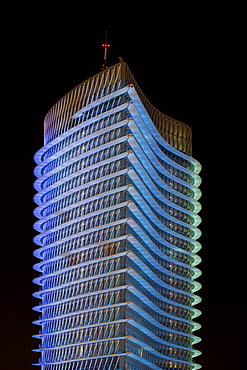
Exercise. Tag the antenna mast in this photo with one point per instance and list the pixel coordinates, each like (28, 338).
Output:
(106, 46)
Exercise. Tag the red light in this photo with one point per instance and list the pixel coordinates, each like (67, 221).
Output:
(106, 45)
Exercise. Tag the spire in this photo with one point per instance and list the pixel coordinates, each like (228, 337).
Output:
(106, 46)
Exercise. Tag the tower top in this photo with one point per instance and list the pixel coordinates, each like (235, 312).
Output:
(105, 46)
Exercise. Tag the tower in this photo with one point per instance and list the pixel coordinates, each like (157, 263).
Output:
(118, 215)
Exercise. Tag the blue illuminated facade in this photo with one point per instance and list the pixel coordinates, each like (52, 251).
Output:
(117, 195)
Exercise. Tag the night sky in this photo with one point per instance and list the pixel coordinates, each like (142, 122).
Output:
(187, 57)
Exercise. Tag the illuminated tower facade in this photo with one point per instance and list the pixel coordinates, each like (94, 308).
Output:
(118, 215)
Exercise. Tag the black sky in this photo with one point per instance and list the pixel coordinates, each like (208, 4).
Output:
(188, 59)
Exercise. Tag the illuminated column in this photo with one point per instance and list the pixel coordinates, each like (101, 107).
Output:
(117, 208)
